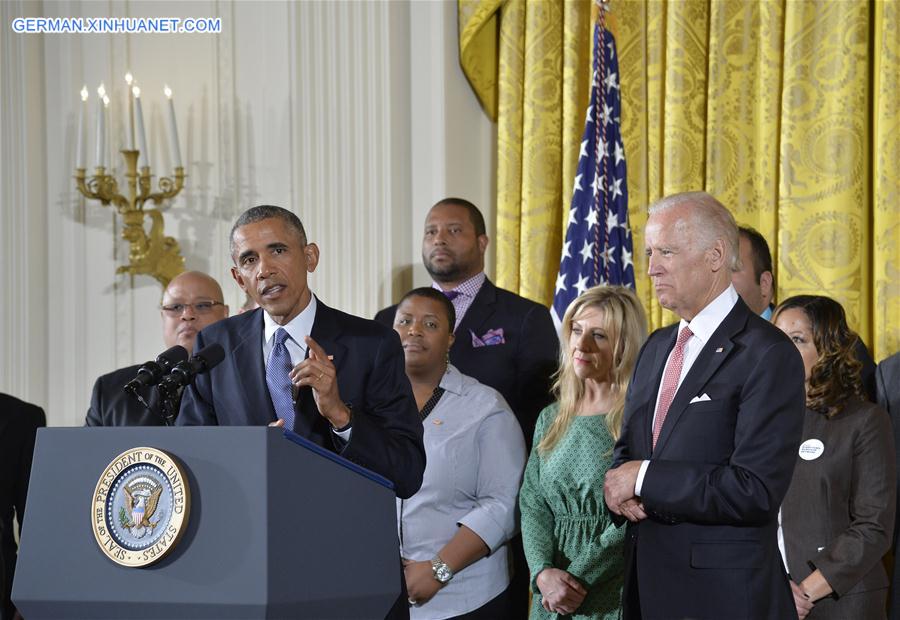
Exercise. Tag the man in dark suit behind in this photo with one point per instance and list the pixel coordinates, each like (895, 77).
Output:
(503, 340)
(887, 389)
(191, 301)
(19, 422)
(711, 430)
(755, 283)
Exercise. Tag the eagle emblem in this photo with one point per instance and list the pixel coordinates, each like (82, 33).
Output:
(141, 501)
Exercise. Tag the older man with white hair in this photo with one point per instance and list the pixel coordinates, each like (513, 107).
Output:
(712, 426)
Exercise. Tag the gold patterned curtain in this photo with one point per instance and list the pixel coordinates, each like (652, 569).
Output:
(787, 111)
(529, 64)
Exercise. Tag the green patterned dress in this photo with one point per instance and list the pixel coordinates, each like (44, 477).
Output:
(565, 523)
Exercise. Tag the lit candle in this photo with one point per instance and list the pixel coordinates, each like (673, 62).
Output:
(173, 130)
(79, 150)
(108, 157)
(129, 133)
(101, 127)
(139, 121)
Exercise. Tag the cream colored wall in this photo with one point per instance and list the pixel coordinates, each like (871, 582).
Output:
(353, 114)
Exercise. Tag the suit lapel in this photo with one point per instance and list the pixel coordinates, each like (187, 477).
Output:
(711, 357)
(478, 313)
(248, 360)
(326, 332)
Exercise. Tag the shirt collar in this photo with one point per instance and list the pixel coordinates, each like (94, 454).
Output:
(767, 313)
(468, 288)
(708, 320)
(452, 381)
(300, 326)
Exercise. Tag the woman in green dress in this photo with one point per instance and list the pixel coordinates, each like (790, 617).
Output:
(574, 551)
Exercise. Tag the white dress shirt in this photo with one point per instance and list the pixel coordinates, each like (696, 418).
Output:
(702, 328)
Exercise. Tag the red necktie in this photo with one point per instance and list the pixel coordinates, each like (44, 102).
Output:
(670, 381)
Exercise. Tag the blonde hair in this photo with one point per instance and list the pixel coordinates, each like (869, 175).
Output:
(708, 220)
(626, 328)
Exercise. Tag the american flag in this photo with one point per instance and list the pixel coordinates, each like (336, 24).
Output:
(598, 248)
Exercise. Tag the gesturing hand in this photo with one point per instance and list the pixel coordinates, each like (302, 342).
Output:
(318, 372)
(561, 593)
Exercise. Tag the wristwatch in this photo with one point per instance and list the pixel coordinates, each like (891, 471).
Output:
(440, 570)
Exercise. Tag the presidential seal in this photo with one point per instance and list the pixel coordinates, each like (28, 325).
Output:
(140, 507)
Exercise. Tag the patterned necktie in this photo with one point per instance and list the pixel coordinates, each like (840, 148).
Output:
(279, 381)
(670, 381)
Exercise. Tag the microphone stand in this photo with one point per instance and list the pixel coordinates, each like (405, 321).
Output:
(170, 401)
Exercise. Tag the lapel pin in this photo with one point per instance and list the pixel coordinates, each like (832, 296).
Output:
(719, 350)
(437, 422)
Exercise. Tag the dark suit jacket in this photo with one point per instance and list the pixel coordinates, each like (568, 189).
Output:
(519, 369)
(717, 476)
(887, 389)
(867, 372)
(111, 406)
(371, 375)
(19, 422)
(838, 514)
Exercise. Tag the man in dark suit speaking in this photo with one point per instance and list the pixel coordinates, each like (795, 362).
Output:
(333, 378)
(712, 425)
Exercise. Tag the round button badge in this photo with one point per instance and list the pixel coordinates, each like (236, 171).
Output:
(811, 449)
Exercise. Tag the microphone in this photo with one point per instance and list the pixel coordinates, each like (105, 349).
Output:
(184, 372)
(151, 372)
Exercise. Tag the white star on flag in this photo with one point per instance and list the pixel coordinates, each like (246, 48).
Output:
(617, 188)
(612, 220)
(560, 282)
(582, 284)
(611, 81)
(587, 252)
(620, 153)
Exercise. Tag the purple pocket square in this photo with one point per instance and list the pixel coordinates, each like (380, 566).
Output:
(491, 337)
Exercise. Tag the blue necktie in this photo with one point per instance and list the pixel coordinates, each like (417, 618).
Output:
(451, 295)
(279, 381)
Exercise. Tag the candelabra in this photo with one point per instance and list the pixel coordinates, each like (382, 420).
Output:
(154, 254)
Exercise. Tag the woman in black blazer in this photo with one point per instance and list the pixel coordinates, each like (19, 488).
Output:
(838, 515)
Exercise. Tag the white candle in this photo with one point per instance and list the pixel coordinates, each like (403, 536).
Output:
(139, 123)
(101, 127)
(109, 157)
(129, 131)
(82, 111)
(173, 131)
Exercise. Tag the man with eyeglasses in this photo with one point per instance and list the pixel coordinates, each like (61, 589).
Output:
(192, 301)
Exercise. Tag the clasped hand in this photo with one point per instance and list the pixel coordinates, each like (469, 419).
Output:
(618, 491)
(561, 593)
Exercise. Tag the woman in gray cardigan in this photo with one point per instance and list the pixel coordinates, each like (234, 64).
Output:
(838, 515)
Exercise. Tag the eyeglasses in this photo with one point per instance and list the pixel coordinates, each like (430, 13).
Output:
(201, 307)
